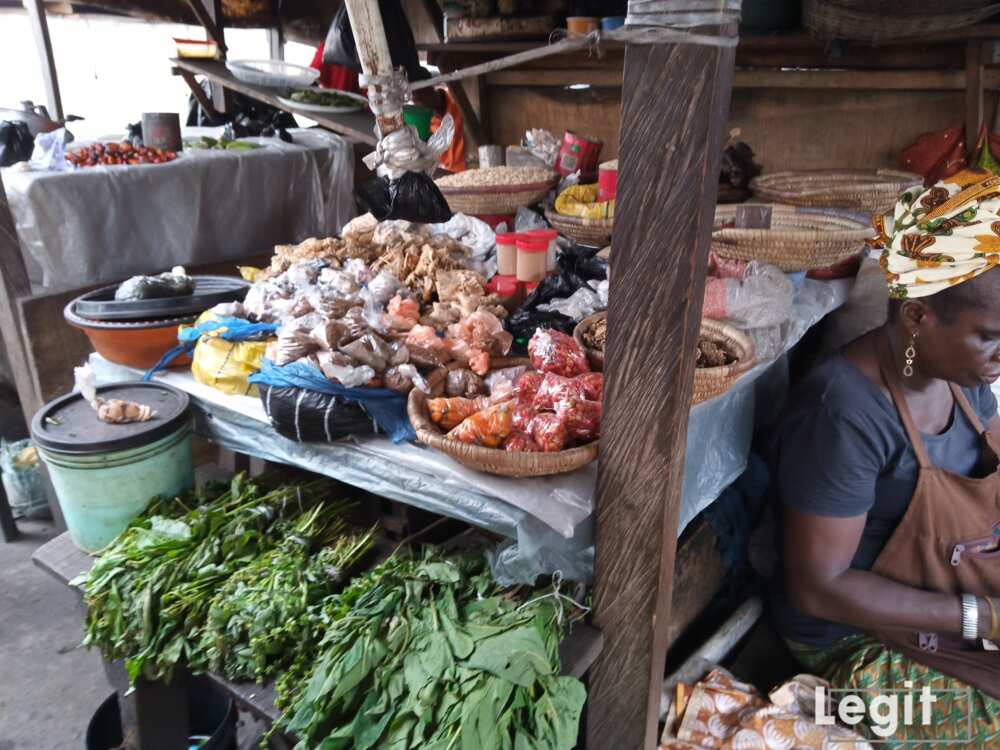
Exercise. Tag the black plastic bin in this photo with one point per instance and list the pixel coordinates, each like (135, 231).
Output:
(213, 714)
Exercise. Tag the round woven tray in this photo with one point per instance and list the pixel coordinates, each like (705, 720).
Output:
(857, 20)
(869, 191)
(591, 232)
(800, 239)
(496, 199)
(710, 382)
(490, 460)
(594, 356)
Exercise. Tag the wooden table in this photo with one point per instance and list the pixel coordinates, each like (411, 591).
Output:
(356, 126)
(64, 561)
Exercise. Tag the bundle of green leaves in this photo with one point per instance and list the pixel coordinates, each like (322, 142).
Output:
(270, 609)
(148, 594)
(428, 652)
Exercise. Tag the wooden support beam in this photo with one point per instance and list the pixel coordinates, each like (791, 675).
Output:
(276, 44)
(668, 188)
(974, 82)
(209, 14)
(40, 28)
(200, 96)
(8, 527)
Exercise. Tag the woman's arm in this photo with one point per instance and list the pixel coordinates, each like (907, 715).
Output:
(820, 582)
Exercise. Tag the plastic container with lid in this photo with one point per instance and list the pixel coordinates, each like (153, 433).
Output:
(531, 258)
(105, 474)
(507, 254)
(552, 246)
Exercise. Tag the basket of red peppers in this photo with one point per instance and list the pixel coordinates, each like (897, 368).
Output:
(532, 417)
(104, 154)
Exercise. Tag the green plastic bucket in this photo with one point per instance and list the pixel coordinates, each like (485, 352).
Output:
(105, 474)
(420, 118)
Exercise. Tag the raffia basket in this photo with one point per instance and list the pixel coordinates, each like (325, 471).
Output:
(496, 199)
(871, 192)
(800, 239)
(490, 460)
(710, 382)
(873, 22)
(591, 232)
(594, 356)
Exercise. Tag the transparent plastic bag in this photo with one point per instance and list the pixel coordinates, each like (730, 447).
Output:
(488, 428)
(22, 480)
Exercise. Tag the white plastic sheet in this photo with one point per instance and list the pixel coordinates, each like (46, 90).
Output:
(101, 224)
(548, 521)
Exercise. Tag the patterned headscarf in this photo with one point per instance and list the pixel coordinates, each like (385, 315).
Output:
(941, 236)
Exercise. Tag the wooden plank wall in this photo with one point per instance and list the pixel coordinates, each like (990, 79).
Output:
(787, 128)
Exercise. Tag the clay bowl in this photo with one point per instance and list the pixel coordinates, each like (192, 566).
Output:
(138, 344)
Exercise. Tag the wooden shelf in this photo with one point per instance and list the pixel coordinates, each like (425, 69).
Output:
(356, 126)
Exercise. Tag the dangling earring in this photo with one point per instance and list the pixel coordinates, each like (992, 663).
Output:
(910, 354)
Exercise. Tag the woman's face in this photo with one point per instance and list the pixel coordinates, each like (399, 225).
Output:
(964, 349)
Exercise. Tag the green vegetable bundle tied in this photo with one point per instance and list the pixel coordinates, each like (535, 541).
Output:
(428, 653)
(151, 593)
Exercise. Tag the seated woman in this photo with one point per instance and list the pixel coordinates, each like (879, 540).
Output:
(887, 474)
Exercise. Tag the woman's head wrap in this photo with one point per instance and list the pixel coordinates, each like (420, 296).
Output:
(941, 236)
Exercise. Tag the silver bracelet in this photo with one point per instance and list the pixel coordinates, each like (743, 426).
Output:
(970, 617)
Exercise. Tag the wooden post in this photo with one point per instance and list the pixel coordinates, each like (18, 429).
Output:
(973, 93)
(40, 28)
(675, 104)
(209, 15)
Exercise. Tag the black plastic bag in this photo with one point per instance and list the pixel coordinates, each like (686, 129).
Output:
(522, 323)
(340, 49)
(413, 197)
(247, 116)
(312, 417)
(16, 143)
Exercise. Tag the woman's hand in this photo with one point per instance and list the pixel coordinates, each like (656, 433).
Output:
(820, 582)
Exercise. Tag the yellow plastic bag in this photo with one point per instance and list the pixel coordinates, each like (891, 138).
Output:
(581, 201)
(226, 365)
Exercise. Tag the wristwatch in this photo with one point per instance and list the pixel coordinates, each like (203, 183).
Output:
(970, 617)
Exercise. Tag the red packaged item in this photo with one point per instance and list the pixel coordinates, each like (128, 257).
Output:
(526, 386)
(555, 389)
(582, 419)
(549, 432)
(554, 351)
(520, 442)
(488, 428)
(523, 414)
(593, 385)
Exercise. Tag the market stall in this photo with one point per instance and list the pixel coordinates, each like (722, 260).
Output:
(345, 327)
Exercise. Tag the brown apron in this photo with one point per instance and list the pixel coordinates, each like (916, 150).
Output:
(947, 541)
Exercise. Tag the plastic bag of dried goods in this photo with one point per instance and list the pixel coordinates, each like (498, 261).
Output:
(552, 351)
(403, 379)
(593, 385)
(523, 414)
(464, 382)
(549, 432)
(488, 428)
(448, 413)
(526, 386)
(556, 389)
(522, 442)
(582, 419)
(402, 314)
(371, 350)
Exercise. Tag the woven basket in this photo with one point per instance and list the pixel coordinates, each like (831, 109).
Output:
(800, 239)
(872, 192)
(491, 460)
(860, 21)
(496, 199)
(591, 232)
(710, 382)
(594, 356)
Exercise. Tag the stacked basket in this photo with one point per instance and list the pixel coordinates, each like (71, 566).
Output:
(590, 232)
(870, 192)
(873, 22)
(800, 239)
(496, 190)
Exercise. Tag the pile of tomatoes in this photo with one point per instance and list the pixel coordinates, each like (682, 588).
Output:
(118, 153)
